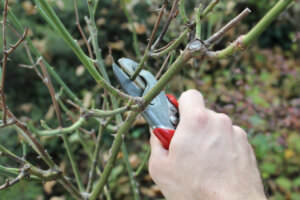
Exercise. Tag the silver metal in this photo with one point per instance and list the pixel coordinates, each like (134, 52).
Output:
(160, 113)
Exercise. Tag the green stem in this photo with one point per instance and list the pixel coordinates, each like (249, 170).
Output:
(73, 163)
(256, 31)
(182, 11)
(95, 157)
(141, 64)
(144, 162)
(104, 113)
(8, 171)
(198, 22)
(59, 131)
(11, 155)
(85, 145)
(133, 183)
(94, 36)
(209, 8)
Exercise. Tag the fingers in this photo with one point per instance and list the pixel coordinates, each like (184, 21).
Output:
(192, 109)
(190, 100)
(158, 157)
(156, 147)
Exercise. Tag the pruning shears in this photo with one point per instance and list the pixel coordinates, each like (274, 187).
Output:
(162, 113)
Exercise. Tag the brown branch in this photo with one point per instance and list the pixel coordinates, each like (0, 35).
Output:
(164, 65)
(48, 83)
(24, 173)
(161, 13)
(81, 31)
(218, 35)
(171, 16)
(13, 47)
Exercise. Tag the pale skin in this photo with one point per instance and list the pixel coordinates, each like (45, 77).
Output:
(208, 159)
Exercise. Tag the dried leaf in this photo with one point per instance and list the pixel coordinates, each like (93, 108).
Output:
(48, 186)
(80, 70)
(118, 45)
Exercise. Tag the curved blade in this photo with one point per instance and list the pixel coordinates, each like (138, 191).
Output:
(127, 85)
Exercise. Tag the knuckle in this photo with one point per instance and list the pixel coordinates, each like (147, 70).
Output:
(200, 115)
(189, 93)
(240, 132)
(225, 119)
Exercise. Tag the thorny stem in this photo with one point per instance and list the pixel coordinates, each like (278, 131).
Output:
(4, 62)
(87, 44)
(48, 83)
(94, 37)
(171, 16)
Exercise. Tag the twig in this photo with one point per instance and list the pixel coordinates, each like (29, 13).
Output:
(13, 47)
(198, 21)
(81, 30)
(47, 81)
(9, 183)
(172, 46)
(59, 131)
(218, 35)
(95, 157)
(163, 66)
(209, 8)
(146, 53)
(132, 181)
(11, 155)
(5, 57)
(182, 11)
(144, 162)
(171, 16)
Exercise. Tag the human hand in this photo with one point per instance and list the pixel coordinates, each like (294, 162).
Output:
(208, 158)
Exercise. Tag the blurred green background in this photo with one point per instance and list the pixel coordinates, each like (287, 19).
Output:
(258, 88)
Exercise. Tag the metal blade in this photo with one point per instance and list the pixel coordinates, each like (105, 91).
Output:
(127, 85)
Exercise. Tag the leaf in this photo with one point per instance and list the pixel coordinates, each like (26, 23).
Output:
(284, 183)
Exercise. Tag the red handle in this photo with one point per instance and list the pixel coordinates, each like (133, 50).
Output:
(165, 135)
